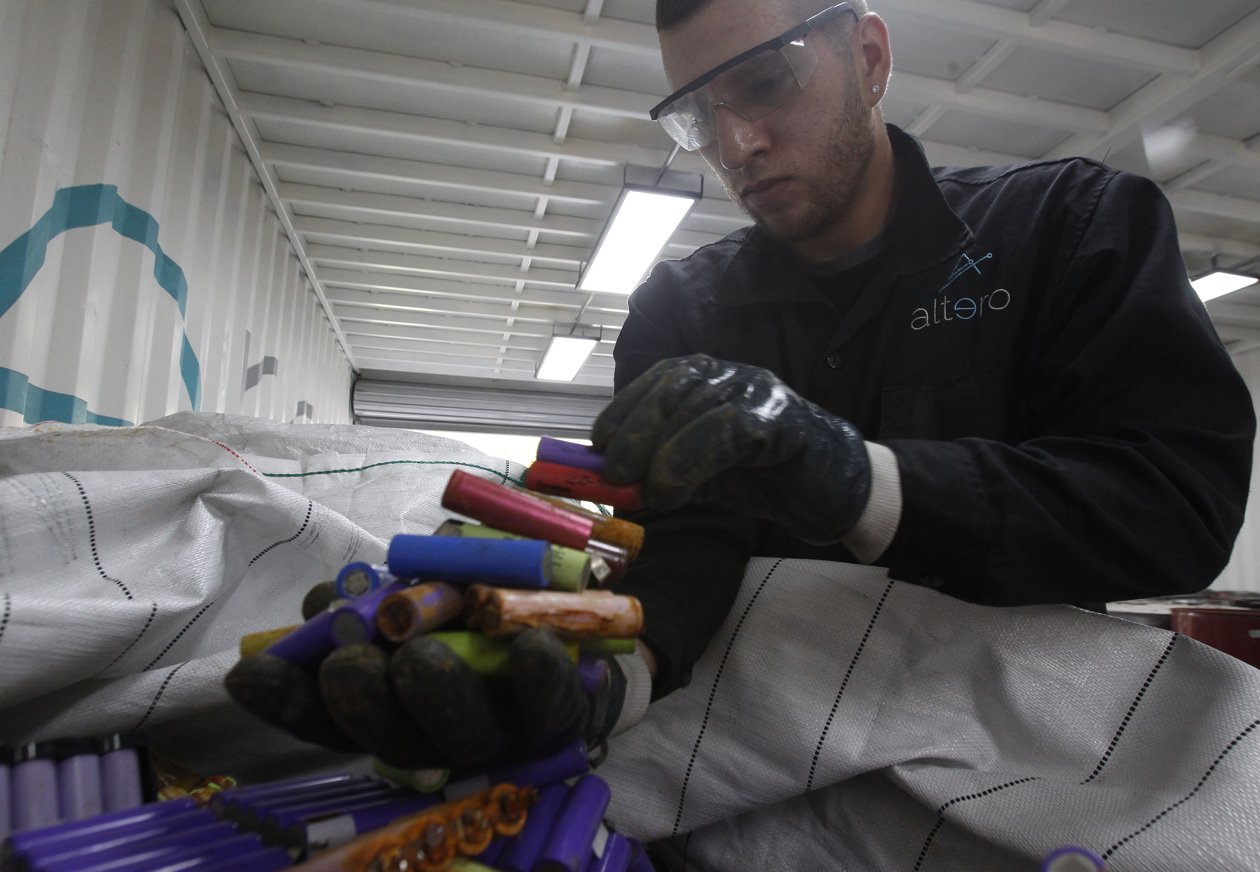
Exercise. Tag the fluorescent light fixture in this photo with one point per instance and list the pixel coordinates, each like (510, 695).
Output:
(1218, 284)
(565, 354)
(644, 217)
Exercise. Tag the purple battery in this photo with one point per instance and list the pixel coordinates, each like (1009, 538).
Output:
(120, 773)
(355, 622)
(143, 854)
(226, 802)
(357, 579)
(33, 783)
(616, 854)
(329, 831)
(101, 825)
(225, 853)
(308, 644)
(569, 762)
(266, 860)
(85, 849)
(522, 850)
(6, 804)
(251, 815)
(70, 844)
(494, 850)
(78, 779)
(570, 454)
(639, 859)
(569, 843)
(593, 672)
(276, 823)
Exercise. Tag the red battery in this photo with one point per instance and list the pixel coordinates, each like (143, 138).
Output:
(581, 484)
(515, 511)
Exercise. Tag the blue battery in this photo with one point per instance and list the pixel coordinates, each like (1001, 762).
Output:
(356, 579)
(501, 562)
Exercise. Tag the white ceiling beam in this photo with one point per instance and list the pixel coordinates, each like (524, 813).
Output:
(453, 214)
(380, 123)
(1058, 36)
(577, 68)
(467, 357)
(593, 8)
(1216, 204)
(524, 20)
(344, 298)
(383, 68)
(943, 154)
(986, 64)
(417, 309)
(474, 247)
(1233, 314)
(1192, 177)
(1233, 152)
(1045, 10)
(441, 176)
(925, 120)
(414, 264)
(1223, 59)
(402, 287)
(455, 337)
(1218, 245)
(193, 16)
(998, 104)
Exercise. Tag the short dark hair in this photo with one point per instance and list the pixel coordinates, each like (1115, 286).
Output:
(672, 12)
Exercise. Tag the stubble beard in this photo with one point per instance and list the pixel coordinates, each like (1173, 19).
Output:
(834, 185)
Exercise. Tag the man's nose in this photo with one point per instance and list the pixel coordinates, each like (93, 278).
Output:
(738, 139)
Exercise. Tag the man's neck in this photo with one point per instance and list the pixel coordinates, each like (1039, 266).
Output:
(868, 214)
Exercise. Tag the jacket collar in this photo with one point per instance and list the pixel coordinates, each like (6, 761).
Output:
(923, 232)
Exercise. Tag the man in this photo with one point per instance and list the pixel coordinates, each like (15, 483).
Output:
(996, 382)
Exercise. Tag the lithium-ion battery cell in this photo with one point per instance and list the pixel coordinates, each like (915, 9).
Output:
(568, 845)
(356, 579)
(570, 454)
(581, 484)
(570, 568)
(502, 562)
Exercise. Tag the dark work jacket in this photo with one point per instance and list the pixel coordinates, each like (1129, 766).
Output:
(1067, 424)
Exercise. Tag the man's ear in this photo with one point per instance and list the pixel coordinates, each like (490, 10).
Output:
(872, 57)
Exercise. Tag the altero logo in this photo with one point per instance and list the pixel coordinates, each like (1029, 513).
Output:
(947, 308)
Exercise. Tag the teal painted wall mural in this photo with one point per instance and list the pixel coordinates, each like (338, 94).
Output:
(84, 206)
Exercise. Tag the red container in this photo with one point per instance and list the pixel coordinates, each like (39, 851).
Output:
(1234, 631)
(581, 484)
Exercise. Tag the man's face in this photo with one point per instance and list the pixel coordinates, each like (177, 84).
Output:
(795, 170)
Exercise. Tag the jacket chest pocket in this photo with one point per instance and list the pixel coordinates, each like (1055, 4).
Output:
(977, 404)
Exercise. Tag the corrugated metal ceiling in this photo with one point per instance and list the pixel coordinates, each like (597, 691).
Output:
(445, 166)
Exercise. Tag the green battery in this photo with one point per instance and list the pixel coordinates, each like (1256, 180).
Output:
(570, 568)
(607, 647)
(484, 655)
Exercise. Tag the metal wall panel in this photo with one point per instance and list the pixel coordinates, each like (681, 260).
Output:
(1243, 571)
(142, 269)
(475, 410)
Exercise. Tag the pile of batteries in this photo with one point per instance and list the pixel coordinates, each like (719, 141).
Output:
(42, 783)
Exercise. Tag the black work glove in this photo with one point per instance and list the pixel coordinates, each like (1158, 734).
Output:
(728, 434)
(419, 706)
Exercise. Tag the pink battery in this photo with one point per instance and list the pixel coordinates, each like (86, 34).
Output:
(515, 511)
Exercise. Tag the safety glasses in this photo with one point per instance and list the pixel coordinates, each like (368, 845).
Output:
(752, 84)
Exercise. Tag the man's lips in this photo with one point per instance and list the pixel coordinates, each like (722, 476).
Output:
(764, 192)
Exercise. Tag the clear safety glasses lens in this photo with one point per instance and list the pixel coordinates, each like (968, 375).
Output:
(752, 90)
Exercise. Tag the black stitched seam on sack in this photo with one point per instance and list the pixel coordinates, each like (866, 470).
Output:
(1185, 798)
(1132, 710)
(171, 643)
(161, 690)
(809, 783)
(309, 507)
(8, 609)
(92, 536)
(686, 847)
(143, 630)
(695, 751)
(940, 813)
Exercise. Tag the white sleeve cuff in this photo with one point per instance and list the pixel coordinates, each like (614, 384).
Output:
(638, 691)
(877, 526)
